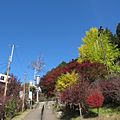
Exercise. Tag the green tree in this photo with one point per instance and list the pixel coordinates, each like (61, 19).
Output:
(115, 40)
(32, 89)
(10, 108)
(62, 64)
(97, 47)
(118, 33)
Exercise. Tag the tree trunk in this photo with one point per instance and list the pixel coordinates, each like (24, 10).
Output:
(98, 111)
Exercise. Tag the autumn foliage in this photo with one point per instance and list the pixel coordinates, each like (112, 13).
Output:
(66, 80)
(86, 70)
(48, 82)
(95, 99)
(12, 101)
(92, 71)
(86, 80)
(75, 93)
(111, 89)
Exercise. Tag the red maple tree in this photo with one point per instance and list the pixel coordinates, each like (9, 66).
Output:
(95, 99)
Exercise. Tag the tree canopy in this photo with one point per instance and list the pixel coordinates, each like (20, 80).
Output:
(98, 48)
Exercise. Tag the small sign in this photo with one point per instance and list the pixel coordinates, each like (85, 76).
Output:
(40, 89)
(21, 94)
(37, 79)
(30, 95)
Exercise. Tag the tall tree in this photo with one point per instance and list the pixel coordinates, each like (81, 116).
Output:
(118, 33)
(97, 47)
(115, 40)
(62, 64)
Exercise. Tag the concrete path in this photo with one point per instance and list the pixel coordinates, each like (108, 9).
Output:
(33, 115)
(48, 113)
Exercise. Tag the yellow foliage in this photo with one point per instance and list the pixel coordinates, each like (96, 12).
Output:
(66, 80)
(98, 48)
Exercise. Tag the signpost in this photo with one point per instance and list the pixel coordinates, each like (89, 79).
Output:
(30, 95)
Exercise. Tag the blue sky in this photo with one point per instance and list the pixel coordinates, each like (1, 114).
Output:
(52, 29)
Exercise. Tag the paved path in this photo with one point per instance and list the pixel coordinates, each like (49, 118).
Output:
(33, 115)
(48, 113)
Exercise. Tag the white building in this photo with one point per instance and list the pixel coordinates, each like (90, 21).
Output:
(3, 77)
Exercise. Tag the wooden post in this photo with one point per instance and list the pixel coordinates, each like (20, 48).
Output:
(80, 110)
(98, 113)
(6, 81)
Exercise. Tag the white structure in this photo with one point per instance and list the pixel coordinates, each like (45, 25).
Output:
(3, 77)
(21, 94)
(37, 88)
(31, 83)
(30, 95)
(37, 80)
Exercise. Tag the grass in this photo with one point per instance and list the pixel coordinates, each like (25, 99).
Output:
(21, 115)
(104, 114)
(105, 110)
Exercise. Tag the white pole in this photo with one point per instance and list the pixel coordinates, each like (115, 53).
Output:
(37, 95)
(37, 83)
(12, 53)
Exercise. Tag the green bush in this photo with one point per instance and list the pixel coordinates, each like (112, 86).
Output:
(10, 109)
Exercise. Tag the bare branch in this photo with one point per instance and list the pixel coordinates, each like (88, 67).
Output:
(38, 64)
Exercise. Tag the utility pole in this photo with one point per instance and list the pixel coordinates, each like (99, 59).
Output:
(8, 70)
(23, 100)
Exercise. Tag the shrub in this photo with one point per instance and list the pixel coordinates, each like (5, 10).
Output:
(48, 82)
(1, 107)
(111, 90)
(95, 99)
(12, 101)
(75, 94)
(10, 108)
(92, 71)
(66, 80)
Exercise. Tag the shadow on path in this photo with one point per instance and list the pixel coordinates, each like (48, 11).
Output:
(48, 113)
